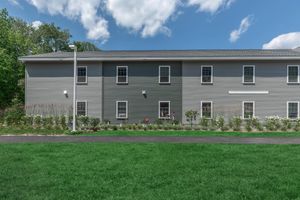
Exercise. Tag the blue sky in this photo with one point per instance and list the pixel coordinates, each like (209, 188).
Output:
(185, 24)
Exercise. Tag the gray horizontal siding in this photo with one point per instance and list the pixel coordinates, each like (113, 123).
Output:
(45, 83)
(142, 76)
(270, 76)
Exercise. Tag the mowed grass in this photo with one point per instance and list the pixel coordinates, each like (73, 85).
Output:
(116, 171)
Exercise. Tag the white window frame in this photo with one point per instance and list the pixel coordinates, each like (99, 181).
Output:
(287, 109)
(211, 111)
(169, 67)
(212, 74)
(86, 76)
(243, 109)
(117, 75)
(86, 106)
(287, 74)
(169, 102)
(117, 111)
(253, 82)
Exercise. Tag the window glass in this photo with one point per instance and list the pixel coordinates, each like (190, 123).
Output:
(206, 110)
(81, 75)
(81, 108)
(248, 110)
(248, 74)
(164, 109)
(122, 109)
(206, 74)
(122, 74)
(293, 74)
(164, 74)
(293, 110)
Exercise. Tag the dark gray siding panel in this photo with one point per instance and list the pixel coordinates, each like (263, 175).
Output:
(45, 83)
(142, 76)
(270, 76)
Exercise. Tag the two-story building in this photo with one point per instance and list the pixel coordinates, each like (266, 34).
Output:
(133, 86)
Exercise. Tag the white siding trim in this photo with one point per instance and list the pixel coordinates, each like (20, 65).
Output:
(212, 74)
(169, 67)
(117, 111)
(243, 81)
(169, 102)
(248, 92)
(243, 109)
(287, 108)
(211, 111)
(117, 75)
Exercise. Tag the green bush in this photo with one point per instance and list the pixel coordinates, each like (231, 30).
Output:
(204, 123)
(248, 125)
(94, 123)
(84, 121)
(236, 123)
(220, 122)
(38, 122)
(13, 115)
(272, 123)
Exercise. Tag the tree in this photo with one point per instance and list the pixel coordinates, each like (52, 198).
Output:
(86, 46)
(191, 116)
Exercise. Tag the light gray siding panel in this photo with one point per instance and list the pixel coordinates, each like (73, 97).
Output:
(45, 83)
(142, 76)
(270, 76)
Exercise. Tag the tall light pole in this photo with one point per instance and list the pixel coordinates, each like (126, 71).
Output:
(73, 47)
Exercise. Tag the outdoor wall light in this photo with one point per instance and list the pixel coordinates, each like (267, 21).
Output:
(66, 93)
(144, 93)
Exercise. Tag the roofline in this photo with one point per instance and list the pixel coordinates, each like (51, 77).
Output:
(26, 59)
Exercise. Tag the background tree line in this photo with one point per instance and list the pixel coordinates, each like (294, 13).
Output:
(18, 38)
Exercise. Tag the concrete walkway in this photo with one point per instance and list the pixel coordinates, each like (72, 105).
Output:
(152, 139)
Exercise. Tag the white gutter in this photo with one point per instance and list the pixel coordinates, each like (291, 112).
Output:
(160, 59)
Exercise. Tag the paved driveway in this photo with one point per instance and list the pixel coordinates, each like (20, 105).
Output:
(152, 139)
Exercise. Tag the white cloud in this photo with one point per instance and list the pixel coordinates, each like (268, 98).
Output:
(284, 41)
(210, 6)
(86, 12)
(146, 16)
(244, 26)
(36, 24)
(14, 2)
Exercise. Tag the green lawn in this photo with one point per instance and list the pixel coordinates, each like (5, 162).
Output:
(149, 171)
(14, 131)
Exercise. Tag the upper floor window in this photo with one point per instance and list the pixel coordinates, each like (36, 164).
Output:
(122, 109)
(81, 108)
(81, 74)
(122, 75)
(292, 74)
(164, 74)
(293, 109)
(248, 109)
(207, 74)
(206, 109)
(248, 74)
(164, 109)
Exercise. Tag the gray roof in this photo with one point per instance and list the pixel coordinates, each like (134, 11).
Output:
(168, 55)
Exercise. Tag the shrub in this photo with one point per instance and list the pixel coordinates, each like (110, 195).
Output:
(48, 122)
(63, 122)
(220, 122)
(286, 124)
(272, 123)
(38, 122)
(191, 116)
(248, 125)
(204, 123)
(14, 115)
(84, 121)
(297, 125)
(28, 120)
(94, 122)
(236, 123)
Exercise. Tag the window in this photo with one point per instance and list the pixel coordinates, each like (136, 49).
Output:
(81, 108)
(122, 109)
(81, 75)
(164, 74)
(292, 109)
(164, 109)
(206, 74)
(248, 109)
(293, 74)
(206, 109)
(122, 75)
(248, 74)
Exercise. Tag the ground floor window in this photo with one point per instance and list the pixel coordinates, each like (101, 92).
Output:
(292, 109)
(122, 109)
(164, 109)
(248, 109)
(81, 108)
(206, 109)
